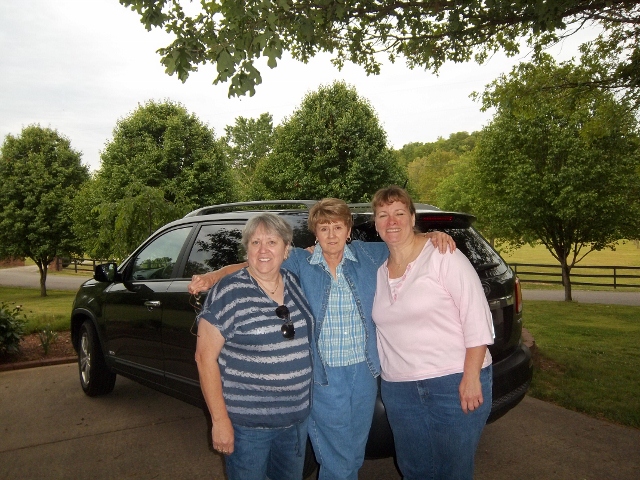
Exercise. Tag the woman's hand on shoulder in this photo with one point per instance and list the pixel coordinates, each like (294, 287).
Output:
(441, 241)
(201, 283)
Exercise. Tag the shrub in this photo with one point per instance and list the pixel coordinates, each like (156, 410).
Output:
(12, 323)
(47, 337)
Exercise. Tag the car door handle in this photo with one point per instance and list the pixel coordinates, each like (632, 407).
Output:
(151, 304)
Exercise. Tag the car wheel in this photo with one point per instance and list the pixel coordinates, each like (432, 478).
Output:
(95, 377)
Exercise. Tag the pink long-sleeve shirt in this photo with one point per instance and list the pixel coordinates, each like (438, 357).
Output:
(428, 318)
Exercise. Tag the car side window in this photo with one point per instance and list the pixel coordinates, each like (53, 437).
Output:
(156, 260)
(214, 247)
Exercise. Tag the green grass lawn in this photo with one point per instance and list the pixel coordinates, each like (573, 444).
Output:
(587, 358)
(53, 310)
(626, 254)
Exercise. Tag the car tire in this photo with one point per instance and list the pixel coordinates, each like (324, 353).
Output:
(95, 377)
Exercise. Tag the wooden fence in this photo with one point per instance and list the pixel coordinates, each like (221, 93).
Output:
(616, 276)
(78, 264)
(600, 276)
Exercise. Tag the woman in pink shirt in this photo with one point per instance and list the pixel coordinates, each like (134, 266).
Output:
(433, 324)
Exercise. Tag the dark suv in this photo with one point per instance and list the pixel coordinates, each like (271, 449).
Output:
(136, 319)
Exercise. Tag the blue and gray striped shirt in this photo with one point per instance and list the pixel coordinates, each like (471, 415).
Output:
(266, 379)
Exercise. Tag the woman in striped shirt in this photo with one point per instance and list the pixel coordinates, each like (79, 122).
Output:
(254, 359)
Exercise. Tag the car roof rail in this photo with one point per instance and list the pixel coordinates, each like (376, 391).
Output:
(238, 205)
(367, 207)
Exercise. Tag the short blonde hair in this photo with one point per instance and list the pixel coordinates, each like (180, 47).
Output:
(329, 210)
(272, 223)
(392, 193)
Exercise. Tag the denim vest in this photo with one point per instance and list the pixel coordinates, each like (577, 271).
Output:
(361, 277)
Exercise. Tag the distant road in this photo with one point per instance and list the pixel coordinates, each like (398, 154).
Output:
(30, 277)
(585, 296)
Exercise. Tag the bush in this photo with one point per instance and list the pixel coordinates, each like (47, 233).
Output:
(12, 323)
(47, 336)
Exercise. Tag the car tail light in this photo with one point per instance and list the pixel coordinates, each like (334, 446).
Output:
(518, 295)
(436, 218)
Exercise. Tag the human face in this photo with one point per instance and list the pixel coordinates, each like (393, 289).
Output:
(266, 251)
(394, 223)
(332, 237)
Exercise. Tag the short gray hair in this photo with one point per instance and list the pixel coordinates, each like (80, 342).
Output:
(272, 223)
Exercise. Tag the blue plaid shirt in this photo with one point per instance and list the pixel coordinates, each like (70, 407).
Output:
(342, 338)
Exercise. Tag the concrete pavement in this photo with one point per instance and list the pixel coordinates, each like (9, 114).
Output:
(50, 430)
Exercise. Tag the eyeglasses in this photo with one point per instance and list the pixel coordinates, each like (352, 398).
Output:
(194, 301)
(287, 329)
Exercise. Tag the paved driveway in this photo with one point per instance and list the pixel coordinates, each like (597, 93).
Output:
(50, 429)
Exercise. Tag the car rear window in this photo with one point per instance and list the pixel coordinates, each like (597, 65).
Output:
(485, 259)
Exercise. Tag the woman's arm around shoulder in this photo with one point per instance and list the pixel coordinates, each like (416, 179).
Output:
(201, 283)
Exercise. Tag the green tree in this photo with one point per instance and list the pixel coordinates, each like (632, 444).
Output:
(425, 173)
(559, 167)
(232, 35)
(248, 141)
(428, 164)
(460, 191)
(333, 145)
(40, 175)
(161, 163)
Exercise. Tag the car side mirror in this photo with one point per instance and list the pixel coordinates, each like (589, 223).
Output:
(105, 272)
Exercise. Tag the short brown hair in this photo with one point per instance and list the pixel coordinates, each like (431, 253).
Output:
(329, 210)
(391, 194)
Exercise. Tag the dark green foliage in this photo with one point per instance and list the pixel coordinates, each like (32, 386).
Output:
(161, 163)
(12, 323)
(332, 146)
(248, 141)
(559, 166)
(41, 174)
(233, 35)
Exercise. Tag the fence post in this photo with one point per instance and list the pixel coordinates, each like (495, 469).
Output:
(614, 278)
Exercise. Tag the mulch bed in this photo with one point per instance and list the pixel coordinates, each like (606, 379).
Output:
(32, 354)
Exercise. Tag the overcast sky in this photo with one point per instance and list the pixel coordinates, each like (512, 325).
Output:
(80, 65)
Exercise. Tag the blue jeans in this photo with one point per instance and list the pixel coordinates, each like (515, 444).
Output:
(274, 453)
(434, 438)
(340, 420)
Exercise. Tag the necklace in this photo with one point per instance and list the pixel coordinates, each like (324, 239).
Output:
(402, 264)
(270, 292)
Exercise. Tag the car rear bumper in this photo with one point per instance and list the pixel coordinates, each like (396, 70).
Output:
(511, 379)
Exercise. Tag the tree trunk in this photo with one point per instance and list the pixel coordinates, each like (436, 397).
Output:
(566, 280)
(42, 266)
